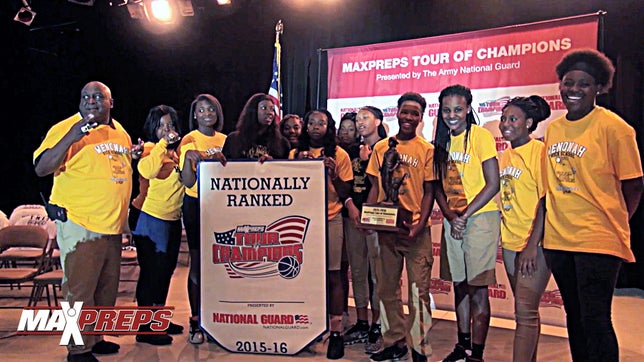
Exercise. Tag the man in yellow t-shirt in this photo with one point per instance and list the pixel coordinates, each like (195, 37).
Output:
(90, 156)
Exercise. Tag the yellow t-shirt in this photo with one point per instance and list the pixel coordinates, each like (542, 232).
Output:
(417, 161)
(94, 182)
(343, 170)
(165, 192)
(207, 145)
(465, 168)
(586, 160)
(523, 184)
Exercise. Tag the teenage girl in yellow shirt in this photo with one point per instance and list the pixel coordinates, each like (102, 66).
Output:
(523, 190)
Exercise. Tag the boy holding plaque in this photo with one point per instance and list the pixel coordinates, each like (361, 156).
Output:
(412, 175)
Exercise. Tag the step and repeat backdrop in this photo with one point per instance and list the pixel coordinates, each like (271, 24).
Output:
(497, 65)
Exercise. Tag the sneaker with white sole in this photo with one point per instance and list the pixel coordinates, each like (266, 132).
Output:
(359, 333)
(392, 353)
(195, 335)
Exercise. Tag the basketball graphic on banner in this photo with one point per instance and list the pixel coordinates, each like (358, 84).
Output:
(288, 267)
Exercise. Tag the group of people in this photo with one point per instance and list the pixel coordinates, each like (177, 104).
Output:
(565, 203)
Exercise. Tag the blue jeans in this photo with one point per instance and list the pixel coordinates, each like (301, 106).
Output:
(587, 282)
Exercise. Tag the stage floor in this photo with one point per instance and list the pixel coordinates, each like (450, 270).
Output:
(628, 319)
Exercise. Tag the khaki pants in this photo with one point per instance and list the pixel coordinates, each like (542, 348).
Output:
(91, 266)
(417, 257)
(362, 250)
(473, 258)
(527, 295)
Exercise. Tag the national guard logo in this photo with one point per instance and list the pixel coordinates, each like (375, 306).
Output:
(262, 251)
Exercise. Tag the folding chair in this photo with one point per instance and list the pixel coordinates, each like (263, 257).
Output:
(24, 236)
(34, 215)
(51, 277)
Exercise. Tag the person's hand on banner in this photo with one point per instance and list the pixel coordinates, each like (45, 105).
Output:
(220, 156)
(329, 163)
(265, 157)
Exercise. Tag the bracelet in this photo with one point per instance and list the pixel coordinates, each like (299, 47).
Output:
(347, 200)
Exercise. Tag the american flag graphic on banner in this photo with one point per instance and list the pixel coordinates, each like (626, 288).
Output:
(291, 230)
(301, 319)
(225, 238)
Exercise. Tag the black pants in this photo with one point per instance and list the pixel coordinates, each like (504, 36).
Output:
(156, 267)
(587, 282)
(191, 221)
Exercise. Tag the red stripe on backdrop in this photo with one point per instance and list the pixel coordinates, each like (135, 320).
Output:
(500, 57)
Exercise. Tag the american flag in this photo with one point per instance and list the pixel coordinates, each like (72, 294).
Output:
(301, 318)
(275, 90)
(225, 238)
(291, 229)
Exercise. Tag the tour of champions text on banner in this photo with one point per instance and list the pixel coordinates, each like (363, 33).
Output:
(263, 254)
(497, 65)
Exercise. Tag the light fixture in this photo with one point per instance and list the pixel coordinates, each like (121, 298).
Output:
(185, 8)
(157, 11)
(224, 2)
(161, 11)
(25, 15)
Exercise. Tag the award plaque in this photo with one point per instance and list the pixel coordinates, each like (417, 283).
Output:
(388, 215)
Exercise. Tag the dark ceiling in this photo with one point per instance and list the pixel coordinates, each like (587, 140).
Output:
(226, 51)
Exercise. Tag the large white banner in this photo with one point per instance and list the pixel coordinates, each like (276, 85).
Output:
(263, 254)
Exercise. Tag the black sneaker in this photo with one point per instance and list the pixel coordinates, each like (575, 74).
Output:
(105, 347)
(195, 334)
(154, 339)
(391, 353)
(374, 340)
(174, 329)
(458, 354)
(82, 357)
(359, 333)
(473, 359)
(417, 357)
(335, 350)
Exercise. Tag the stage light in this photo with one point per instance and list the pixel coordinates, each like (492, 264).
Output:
(25, 15)
(161, 10)
(224, 2)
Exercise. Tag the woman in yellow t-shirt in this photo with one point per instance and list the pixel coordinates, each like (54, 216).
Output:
(594, 174)
(204, 141)
(155, 215)
(523, 190)
(318, 140)
(465, 162)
